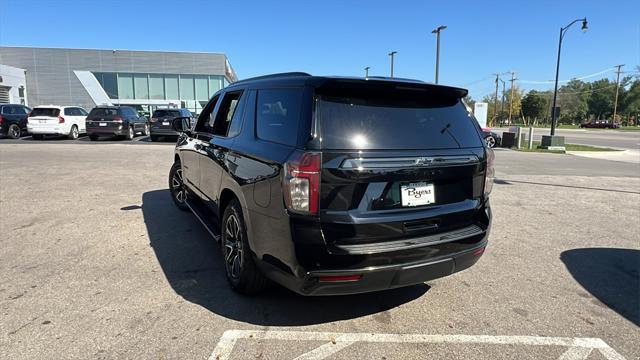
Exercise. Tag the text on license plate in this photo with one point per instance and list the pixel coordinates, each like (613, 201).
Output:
(418, 193)
(103, 124)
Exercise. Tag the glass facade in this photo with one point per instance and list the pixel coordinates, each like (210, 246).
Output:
(193, 91)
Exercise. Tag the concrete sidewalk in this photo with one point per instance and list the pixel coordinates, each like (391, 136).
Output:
(629, 156)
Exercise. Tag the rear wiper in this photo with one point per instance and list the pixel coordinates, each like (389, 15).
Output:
(446, 129)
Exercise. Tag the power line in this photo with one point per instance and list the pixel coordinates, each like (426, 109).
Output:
(564, 81)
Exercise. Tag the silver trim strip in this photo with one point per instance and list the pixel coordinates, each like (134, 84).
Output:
(405, 244)
(407, 162)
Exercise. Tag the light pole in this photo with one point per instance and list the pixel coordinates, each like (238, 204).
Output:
(555, 89)
(437, 32)
(502, 103)
(366, 72)
(392, 54)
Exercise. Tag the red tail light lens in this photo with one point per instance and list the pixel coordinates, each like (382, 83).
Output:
(330, 278)
(60, 120)
(29, 115)
(301, 183)
(1, 120)
(490, 173)
(117, 119)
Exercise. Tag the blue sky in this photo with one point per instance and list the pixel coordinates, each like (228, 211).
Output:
(342, 37)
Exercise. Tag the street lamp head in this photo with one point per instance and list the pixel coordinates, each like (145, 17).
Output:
(584, 25)
(438, 29)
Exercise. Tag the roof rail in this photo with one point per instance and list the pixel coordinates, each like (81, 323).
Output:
(273, 76)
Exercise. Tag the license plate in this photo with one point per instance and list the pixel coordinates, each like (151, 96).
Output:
(418, 193)
(42, 121)
(165, 123)
(103, 124)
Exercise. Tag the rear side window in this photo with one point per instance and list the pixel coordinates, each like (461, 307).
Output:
(103, 112)
(45, 112)
(278, 115)
(166, 113)
(70, 112)
(395, 123)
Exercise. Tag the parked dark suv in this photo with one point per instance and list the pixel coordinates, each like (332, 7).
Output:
(13, 120)
(115, 121)
(332, 185)
(162, 122)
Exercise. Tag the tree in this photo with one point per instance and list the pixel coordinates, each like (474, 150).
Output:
(630, 106)
(517, 98)
(534, 106)
(572, 100)
(601, 99)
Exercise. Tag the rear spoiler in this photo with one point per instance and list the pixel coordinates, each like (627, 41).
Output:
(333, 85)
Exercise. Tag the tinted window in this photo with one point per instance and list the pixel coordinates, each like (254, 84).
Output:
(205, 121)
(228, 110)
(103, 112)
(277, 115)
(45, 112)
(395, 123)
(69, 111)
(166, 113)
(83, 112)
(21, 110)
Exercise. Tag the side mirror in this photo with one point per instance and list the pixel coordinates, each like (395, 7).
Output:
(181, 124)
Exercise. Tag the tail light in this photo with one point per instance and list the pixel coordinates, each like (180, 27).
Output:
(153, 119)
(1, 120)
(301, 183)
(490, 173)
(60, 120)
(29, 115)
(117, 119)
(338, 278)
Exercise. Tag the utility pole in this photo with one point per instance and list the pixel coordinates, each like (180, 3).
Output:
(502, 103)
(366, 72)
(392, 54)
(495, 103)
(513, 79)
(615, 103)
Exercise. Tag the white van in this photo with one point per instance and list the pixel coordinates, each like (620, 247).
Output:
(57, 120)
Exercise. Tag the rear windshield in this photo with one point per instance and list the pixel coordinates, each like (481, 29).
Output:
(166, 113)
(103, 112)
(45, 112)
(400, 123)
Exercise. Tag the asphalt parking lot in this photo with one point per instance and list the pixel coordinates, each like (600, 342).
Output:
(97, 262)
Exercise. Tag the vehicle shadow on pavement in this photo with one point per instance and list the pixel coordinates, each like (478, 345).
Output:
(611, 275)
(191, 261)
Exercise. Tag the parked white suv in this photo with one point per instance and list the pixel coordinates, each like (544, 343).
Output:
(57, 120)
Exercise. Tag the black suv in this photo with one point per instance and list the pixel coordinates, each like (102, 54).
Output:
(115, 121)
(331, 185)
(13, 120)
(162, 122)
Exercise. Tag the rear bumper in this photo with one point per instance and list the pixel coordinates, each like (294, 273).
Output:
(316, 283)
(163, 131)
(382, 267)
(53, 130)
(106, 131)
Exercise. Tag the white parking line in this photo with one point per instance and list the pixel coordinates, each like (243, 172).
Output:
(579, 348)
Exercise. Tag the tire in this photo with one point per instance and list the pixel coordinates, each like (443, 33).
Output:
(146, 131)
(14, 131)
(491, 141)
(177, 187)
(242, 273)
(37, 136)
(130, 134)
(154, 138)
(93, 137)
(74, 133)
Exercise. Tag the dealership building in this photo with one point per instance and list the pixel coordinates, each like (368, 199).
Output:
(84, 77)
